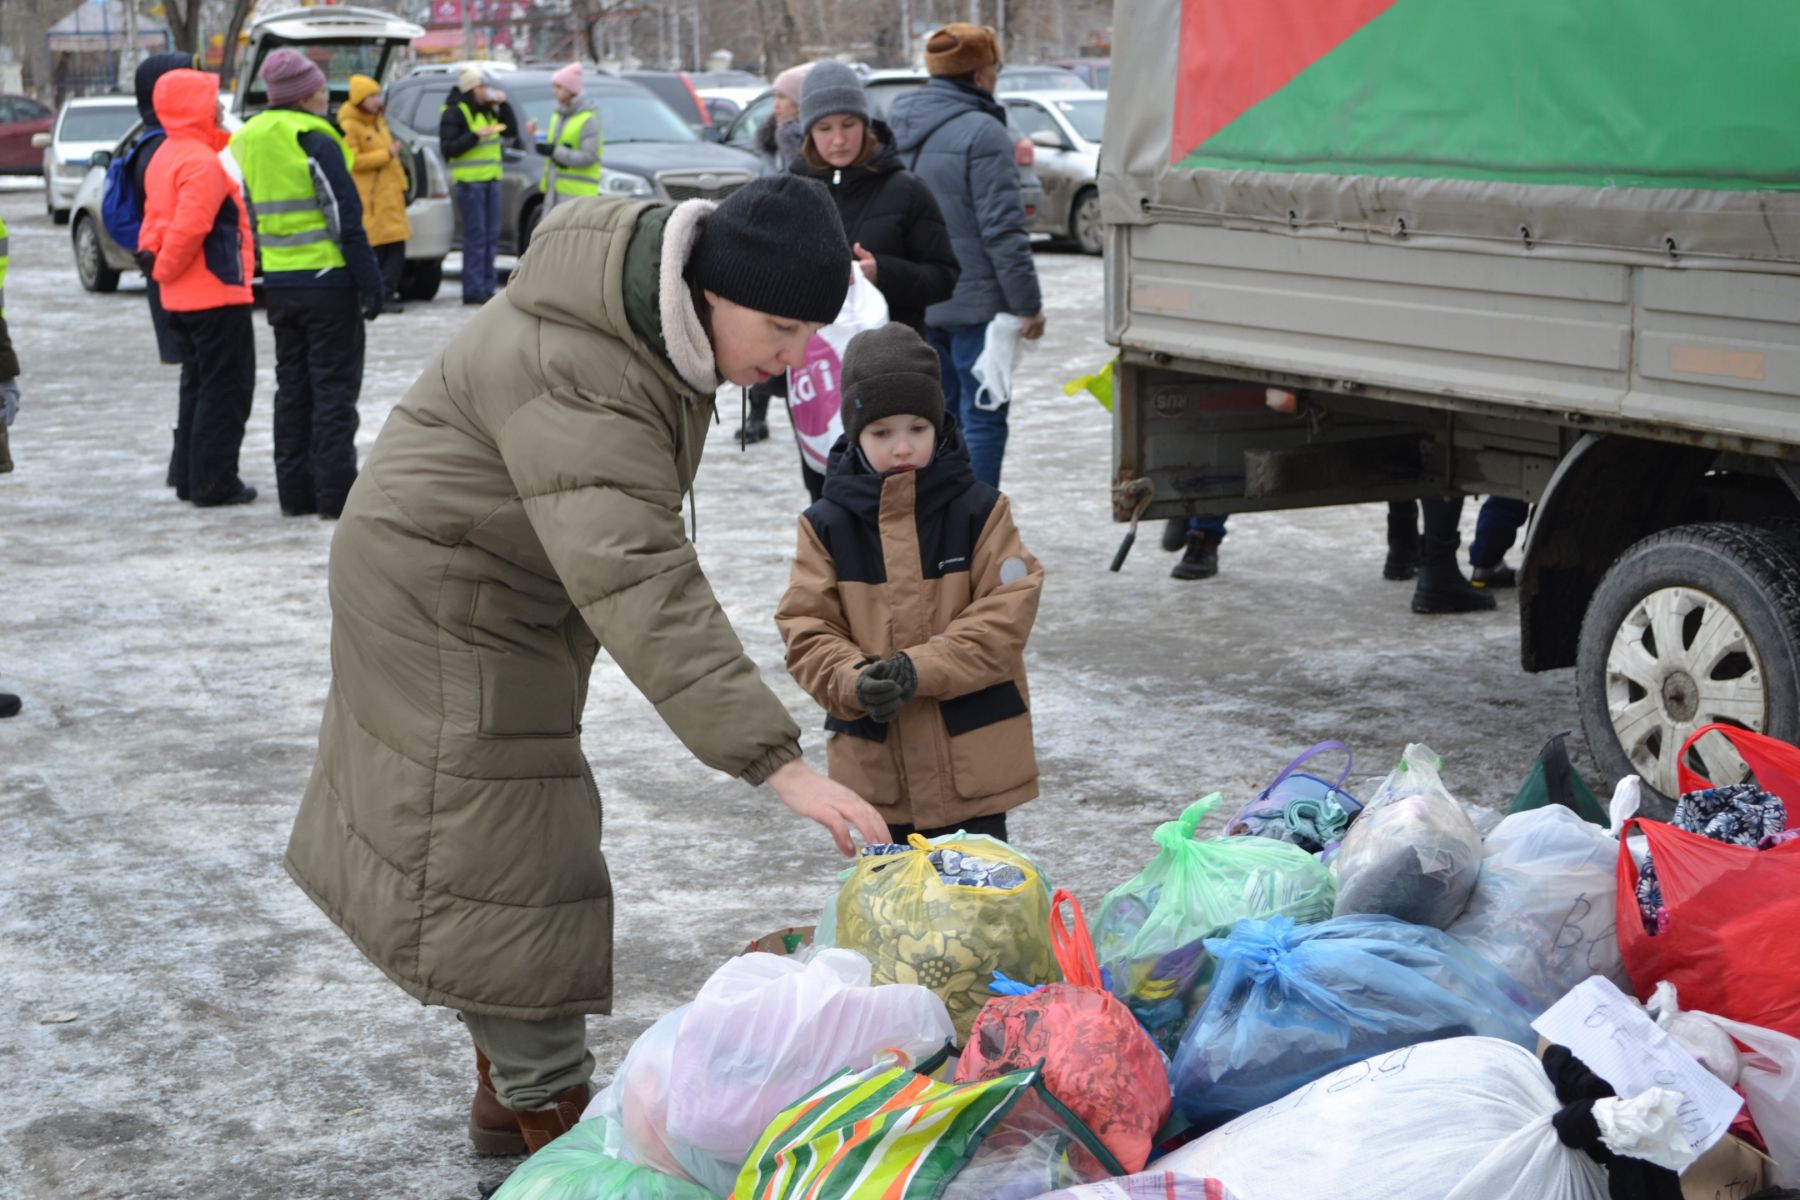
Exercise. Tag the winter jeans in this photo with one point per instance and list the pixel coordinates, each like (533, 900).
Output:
(479, 204)
(318, 377)
(532, 1061)
(1496, 529)
(983, 430)
(1212, 527)
(218, 381)
(391, 257)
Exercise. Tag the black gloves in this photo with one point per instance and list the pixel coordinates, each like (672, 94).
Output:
(371, 306)
(884, 686)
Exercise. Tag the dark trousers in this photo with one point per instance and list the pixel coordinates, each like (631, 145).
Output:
(1496, 529)
(983, 429)
(479, 204)
(1442, 517)
(391, 258)
(814, 480)
(166, 347)
(318, 376)
(994, 827)
(218, 380)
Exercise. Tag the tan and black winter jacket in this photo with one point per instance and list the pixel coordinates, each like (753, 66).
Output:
(928, 562)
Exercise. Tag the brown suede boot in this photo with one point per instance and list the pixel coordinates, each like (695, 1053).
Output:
(541, 1126)
(493, 1127)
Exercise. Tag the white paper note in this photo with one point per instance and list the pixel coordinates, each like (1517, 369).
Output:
(1612, 1034)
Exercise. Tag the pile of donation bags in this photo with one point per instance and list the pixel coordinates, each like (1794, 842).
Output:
(1335, 997)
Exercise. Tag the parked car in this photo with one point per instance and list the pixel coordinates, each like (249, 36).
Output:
(1065, 128)
(1096, 71)
(22, 119)
(86, 124)
(1040, 78)
(677, 90)
(740, 132)
(648, 151)
(344, 41)
(726, 94)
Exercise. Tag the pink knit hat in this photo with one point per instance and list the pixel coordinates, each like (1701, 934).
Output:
(569, 78)
(792, 82)
(290, 76)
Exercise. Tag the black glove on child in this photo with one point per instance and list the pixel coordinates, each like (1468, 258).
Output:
(883, 687)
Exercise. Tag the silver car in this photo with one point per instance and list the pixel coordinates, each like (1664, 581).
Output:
(1064, 127)
(85, 124)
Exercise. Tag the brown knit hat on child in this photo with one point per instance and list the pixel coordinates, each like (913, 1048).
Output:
(960, 48)
(889, 372)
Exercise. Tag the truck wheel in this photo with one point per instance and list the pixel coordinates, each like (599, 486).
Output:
(1085, 228)
(420, 278)
(1691, 626)
(90, 258)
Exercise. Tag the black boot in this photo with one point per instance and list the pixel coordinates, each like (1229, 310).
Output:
(1442, 587)
(756, 421)
(9, 705)
(1497, 576)
(1403, 540)
(1174, 534)
(1201, 560)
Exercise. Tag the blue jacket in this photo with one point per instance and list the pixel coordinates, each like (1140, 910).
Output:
(954, 137)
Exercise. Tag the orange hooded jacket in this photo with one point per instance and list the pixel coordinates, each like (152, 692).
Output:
(195, 221)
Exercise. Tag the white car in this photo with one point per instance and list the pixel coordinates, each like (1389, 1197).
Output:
(85, 124)
(1064, 126)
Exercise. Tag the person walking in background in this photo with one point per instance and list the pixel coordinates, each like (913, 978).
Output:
(9, 409)
(378, 164)
(573, 144)
(320, 281)
(475, 118)
(953, 133)
(197, 242)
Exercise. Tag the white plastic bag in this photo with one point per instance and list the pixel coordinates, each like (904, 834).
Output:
(1768, 1073)
(701, 1085)
(1462, 1119)
(1413, 853)
(1542, 909)
(815, 401)
(1000, 353)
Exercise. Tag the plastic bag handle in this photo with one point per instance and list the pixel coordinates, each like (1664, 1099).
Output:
(1307, 755)
(1074, 949)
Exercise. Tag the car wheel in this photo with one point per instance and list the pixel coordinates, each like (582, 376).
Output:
(1085, 228)
(90, 258)
(1691, 626)
(421, 278)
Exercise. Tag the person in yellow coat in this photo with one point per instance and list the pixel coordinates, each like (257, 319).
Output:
(379, 169)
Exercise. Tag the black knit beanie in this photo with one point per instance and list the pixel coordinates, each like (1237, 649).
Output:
(776, 245)
(890, 372)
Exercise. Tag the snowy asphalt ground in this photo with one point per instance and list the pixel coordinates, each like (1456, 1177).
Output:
(179, 1021)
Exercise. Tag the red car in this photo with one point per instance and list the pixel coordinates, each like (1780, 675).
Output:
(20, 118)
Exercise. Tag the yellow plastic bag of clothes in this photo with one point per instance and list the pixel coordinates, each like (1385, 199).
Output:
(947, 916)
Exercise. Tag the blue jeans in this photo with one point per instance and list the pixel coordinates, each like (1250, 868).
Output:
(479, 204)
(1212, 527)
(1496, 529)
(984, 430)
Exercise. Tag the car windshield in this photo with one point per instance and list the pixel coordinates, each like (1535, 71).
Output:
(98, 122)
(1088, 117)
(624, 116)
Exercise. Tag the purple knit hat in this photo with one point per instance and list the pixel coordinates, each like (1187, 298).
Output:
(290, 76)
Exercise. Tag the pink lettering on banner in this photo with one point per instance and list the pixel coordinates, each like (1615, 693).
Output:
(814, 401)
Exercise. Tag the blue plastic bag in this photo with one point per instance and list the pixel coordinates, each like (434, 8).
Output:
(1292, 1003)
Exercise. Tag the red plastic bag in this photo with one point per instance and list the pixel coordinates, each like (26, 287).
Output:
(1733, 943)
(1775, 764)
(1097, 1059)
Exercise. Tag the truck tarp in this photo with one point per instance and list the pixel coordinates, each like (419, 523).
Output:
(1607, 129)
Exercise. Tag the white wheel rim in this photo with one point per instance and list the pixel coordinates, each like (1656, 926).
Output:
(1679, 660)
(1087, 222)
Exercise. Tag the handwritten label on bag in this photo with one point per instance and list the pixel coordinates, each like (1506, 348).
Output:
(1608, 1031)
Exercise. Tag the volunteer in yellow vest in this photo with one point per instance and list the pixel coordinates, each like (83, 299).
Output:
(9, 408)
(320, 281)
(378, 163)
(476, 121)
(573, 146)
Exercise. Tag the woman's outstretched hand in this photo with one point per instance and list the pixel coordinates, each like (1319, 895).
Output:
(832, 805)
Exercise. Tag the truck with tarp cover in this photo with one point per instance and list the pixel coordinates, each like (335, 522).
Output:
(1548, 250)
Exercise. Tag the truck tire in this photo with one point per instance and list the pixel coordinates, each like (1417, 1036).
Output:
(90, 258)
(1694, 625)
(421, 278)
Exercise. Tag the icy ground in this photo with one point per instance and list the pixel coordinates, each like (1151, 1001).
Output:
(178, 1020)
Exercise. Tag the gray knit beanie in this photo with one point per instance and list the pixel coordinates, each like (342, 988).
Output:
(831, 89)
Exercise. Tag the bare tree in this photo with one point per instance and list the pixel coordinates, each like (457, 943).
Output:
(188, 18)
(780, 36)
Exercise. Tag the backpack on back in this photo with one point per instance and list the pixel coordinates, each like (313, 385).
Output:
(121, 204)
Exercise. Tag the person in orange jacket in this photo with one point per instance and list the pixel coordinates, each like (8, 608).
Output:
(196, 233)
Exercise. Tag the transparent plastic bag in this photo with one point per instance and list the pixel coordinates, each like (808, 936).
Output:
(1291, 1003)
(1150, 932)
(1413, 853)
(583, 1164)
(636, 1104)
(1151, 1185)
(1543, 905)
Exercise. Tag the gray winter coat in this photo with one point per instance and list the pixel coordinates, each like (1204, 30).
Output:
(954, 137)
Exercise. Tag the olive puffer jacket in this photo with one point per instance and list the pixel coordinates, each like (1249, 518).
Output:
(520, 510)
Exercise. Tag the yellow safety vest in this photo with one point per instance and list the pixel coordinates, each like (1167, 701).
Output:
(571, 181)
(293, 232)
(482, 162)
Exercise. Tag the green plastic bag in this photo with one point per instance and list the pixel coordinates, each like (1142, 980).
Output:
(1554, 781)
(1150, 931)
(580, 1165)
